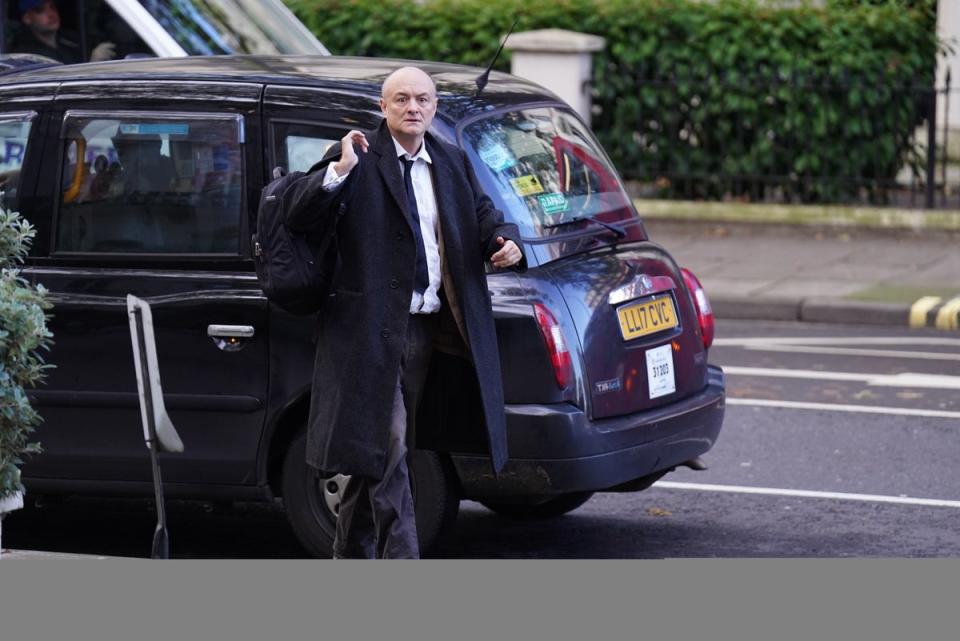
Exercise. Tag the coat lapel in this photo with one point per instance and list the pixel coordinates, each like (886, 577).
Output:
(389, 168)
(447, 229)
(446, 199)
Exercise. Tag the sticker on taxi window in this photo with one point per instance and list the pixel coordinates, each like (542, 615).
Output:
(147, 128)
(496, 157)
(553, 203)
(526, 185)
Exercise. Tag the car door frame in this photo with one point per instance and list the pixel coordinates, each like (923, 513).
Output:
(159, 96)
(292, 338)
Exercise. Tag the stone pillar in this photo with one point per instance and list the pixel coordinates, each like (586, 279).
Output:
(948, 28)
(558, 60)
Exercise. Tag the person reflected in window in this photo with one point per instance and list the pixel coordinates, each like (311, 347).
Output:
(144, 168)
(41, 35)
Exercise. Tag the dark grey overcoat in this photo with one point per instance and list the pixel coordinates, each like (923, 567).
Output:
(363, 327)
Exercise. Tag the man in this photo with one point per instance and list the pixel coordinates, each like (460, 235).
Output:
(41, 35)
(413, 235)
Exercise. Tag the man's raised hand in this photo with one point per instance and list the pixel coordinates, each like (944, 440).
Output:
(348, 154)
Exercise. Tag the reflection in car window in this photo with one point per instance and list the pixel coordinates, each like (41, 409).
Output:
(209, 27)
(300, 146)
(544, 169)
(304, 152)
(14, 131)
(151, 183)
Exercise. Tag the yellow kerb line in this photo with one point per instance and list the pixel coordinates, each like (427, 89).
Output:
(919, 310)
(947, 316)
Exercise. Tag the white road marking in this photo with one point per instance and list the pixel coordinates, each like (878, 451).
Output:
(811, 494)
(834, 345)
(840, 407)
(905, 379)
(843, 351)
(840, 340)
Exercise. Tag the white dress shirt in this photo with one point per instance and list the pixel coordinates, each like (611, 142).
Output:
(420, 175)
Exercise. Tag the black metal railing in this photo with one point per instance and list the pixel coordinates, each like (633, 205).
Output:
(762, 137)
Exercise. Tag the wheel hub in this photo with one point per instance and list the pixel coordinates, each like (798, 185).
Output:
(332, 491)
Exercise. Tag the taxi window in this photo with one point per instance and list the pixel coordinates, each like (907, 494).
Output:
(546, 171)
(299, 146)
(14, 131)
(89, 30)
(209, 27)
(151, 183)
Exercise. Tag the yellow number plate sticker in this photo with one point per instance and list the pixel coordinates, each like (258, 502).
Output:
(526, 185)
(648, 317)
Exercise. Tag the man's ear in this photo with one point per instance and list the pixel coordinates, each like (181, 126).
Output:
(383, 106)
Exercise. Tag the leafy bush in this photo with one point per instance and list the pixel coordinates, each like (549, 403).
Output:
(815, 102)
(23, 333)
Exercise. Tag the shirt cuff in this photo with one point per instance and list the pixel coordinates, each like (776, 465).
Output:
(331, 180)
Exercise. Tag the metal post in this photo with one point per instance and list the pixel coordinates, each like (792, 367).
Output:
(946, 129)
(161, 541)
(931, 146)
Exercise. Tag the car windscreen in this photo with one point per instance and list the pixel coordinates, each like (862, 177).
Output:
(211, 27)
(549, 175)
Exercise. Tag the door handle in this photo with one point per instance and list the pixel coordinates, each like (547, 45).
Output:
(230, 331)
(230, 338)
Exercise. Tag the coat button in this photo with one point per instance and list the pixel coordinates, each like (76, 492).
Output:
(385, 333)
(394, 283)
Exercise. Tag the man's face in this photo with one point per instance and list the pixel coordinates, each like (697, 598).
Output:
(44, 19)
(409, 103)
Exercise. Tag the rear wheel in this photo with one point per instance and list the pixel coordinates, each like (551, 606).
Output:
(312, 500)
(557, 506)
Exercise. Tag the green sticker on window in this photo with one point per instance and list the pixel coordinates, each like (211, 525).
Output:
(553, 203)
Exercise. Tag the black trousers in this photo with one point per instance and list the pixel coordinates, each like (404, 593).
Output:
(376, 518)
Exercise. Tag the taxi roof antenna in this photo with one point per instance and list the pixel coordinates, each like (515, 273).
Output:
(482, 78)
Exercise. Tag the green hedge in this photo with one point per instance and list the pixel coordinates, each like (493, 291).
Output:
(704, 99)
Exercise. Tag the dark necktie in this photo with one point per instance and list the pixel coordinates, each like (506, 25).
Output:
(422, 277)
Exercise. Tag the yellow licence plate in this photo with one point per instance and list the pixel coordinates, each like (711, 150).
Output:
(648, 317)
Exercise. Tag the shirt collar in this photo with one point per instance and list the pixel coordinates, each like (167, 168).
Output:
(422, 153)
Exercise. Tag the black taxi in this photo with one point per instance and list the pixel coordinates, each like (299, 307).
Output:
(143, 177)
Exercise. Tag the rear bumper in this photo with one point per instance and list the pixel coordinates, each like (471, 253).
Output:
(557, 448)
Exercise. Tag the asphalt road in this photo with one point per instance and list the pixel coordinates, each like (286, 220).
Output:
(838, 441)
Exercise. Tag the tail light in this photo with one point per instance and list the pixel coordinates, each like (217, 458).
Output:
(556, 345)
(702, 304)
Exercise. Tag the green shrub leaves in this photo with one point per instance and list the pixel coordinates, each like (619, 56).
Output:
(730, 98)
(23, 335)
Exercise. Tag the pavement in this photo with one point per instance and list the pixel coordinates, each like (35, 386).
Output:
(826, 264)
(838, 265)
(20, 555)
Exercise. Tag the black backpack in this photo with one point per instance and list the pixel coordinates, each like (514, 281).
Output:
(295, 270)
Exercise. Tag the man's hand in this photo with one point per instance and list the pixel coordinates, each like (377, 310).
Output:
(103, 51)
(508, 255)
(348, 155)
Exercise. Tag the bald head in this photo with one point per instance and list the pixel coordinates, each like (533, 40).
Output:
(407, 75)
(408, 101)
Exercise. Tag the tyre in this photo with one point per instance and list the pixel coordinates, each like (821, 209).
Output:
(557, 506)
(312, 501)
